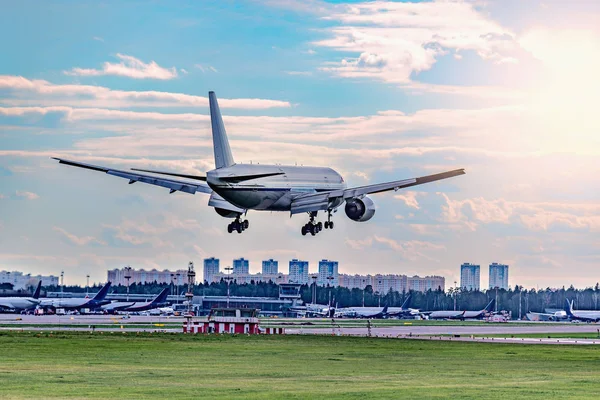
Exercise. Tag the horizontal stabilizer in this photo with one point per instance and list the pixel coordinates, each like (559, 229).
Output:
(196, 177)
(242, 178)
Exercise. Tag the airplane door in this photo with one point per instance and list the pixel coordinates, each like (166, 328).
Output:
(221, 328)
(231, 328)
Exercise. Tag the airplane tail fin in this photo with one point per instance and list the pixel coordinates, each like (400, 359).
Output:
(568, 307)
(162, 297)
(223, 157)
(36, 294)
(490, 306)
(103, 292)
(385, 310)
(406, 303)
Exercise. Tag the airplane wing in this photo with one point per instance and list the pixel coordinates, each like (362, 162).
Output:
(172, 184)
(322, 201)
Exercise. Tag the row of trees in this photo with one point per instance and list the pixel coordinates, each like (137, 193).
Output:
(511, 300)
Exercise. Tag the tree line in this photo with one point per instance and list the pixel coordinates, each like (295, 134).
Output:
(431, 300)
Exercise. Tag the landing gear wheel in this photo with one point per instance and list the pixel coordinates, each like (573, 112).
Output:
(246, 224)
(313, 229)
(320, 225)
(304, 231)
(230, 228)
(326, 224)
(331, 225)
(238, 227)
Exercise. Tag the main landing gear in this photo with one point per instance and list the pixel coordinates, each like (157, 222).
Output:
(238, 225)
(313, 227)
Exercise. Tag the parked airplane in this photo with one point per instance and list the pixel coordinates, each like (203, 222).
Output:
(555, 316)
(403, 310)
(21, 303)
(363, 312)
(130, 306)
(79, 303)
(236, 188)
(581, 315)
(462, 315)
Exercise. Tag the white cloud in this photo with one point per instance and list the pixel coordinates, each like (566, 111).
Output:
(299, 73)
(205, 68)
(409, 198)
(183, 71)
(98, 38)
(23, 91)
(130, 67)
(410, 250)
(392, 40)
(78, 240)
(27, 195)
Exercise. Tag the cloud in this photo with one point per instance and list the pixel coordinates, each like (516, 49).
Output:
(130, 67)
(409, 198)
(78, 240)
(205, 68)
(535, 216)
(2, 196)
(23, 91)
(183, 71)
(98, 38)
(391, 41)
(410, 250)
(27, 195)
(299, 73)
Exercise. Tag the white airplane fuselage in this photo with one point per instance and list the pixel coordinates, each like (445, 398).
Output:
(273, 193)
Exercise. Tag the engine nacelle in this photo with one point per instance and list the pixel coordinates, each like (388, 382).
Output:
(226, 213)
(360, 210)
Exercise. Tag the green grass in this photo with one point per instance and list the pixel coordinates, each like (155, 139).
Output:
(100, 366)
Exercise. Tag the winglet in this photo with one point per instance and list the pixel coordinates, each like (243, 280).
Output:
(490, 306)
(36, 294)
(404, 305)
(223, 157)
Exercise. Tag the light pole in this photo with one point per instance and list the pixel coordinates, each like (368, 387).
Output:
(314, 291)
(329, 280)
(178, 275)
(229, 270)
(62, 283)
(520, 303)
(172, 284)
(454, 292)
(87, 285)
(127, 276)
(364, 289)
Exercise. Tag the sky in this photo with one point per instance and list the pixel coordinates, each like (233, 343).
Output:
(508, 90)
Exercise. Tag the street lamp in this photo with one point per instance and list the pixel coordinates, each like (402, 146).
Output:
(228, 278)
(314, 291)
(62, 283)
(329, 280)
(364, 288)
(127, 276)
(87, 285)
(454, 292)
(178, 275)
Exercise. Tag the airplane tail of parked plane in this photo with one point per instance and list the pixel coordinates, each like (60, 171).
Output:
(223, 157)
(406, 303)
(36, 294)
(490, 306)
(568, 308)
(162, 297)
(102, 293)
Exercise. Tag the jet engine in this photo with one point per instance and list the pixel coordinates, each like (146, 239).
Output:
(360, 209)
(226, 213)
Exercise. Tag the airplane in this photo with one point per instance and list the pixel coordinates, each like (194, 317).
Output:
(314, 310)
(555, 316)
(21, 303)
(581, 315)
(127, 306)
(79, 303)
(462, 315)
(403, 310)
(363, 312)
(236, 188)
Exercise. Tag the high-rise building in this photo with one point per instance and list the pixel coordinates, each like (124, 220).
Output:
(498, 276)
(21, 281)
(328, 273)
(142, 276)
(298, 271)
(423, 284)
(469, 276)
(241, 266)
(270, 267)
(211, 268)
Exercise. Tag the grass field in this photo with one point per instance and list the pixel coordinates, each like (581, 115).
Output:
(77, 365)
